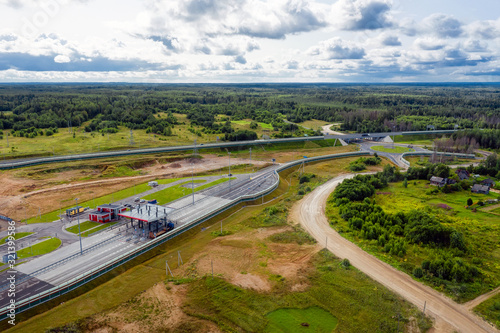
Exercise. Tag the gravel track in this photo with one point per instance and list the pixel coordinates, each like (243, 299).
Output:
(448, 315)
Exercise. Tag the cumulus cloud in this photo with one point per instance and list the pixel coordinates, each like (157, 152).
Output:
(475, 46)
(390, 40)
(451, 57)
(485, 29)
(61, 59)
(254, 18)
(363, 14)
(429, 44)
(443, 25)
(336, 48)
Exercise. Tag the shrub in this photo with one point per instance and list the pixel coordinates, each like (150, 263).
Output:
(356, 167)
(345, 263)
(418, 272)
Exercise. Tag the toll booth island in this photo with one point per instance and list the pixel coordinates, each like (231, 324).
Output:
(151, 219)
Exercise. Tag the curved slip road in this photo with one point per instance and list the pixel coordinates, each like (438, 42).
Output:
(449, 316)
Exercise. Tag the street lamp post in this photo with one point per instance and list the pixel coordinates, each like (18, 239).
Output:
(79, 233)
(229, 175)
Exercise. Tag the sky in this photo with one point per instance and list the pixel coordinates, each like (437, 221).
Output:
(244, 41)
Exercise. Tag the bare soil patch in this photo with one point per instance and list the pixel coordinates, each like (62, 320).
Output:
(50, 194)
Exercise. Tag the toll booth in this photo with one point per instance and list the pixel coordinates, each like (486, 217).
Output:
(149, 220)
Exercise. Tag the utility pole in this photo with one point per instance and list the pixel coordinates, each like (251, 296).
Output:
(7, 140)
(167, 269)
(192, 180)
(179, 259)
(79, 233)
(229, 175)
(250, 156)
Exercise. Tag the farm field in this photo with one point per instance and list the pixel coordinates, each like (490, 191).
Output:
(480, 230)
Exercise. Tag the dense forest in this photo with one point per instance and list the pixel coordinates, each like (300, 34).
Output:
(27, 108)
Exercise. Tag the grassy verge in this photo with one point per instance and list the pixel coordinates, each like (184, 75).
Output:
(16, 236)
(395, 150)
(94, 230)
(178, 191)
(490, 310)
(38, 249)
(83, 227)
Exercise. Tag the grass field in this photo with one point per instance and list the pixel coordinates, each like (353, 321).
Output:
(83, 227)
(490, 310)
(424, 160)
(38, 249)
(480, 230)
(313, 124)
(126, 193)
(102, 226)
(178, 191)
(359, 304)
(395, 150)
(248, 122)
(292, 320)
(63, 143)
(16, 236)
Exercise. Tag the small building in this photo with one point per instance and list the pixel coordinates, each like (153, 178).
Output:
(481, 189)
(488, 182)
(438, 181)
(463, 174)
(106, 213)
(450, 181)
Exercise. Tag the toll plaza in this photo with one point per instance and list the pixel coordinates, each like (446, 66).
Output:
(148, 220)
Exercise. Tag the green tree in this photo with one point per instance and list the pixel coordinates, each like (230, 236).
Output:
(405, 183)
(469, 202)
(442, 171)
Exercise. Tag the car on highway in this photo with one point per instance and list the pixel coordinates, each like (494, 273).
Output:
(365, 134)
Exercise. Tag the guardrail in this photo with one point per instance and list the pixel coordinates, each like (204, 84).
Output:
(98, 271)
(430, 153)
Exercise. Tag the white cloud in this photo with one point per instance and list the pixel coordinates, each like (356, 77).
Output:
(443, 25)
(430, 43)
(362, 14)
(336, 48)
(62, 59)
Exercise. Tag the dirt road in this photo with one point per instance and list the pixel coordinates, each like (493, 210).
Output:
(449, 316)
(326, 129)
